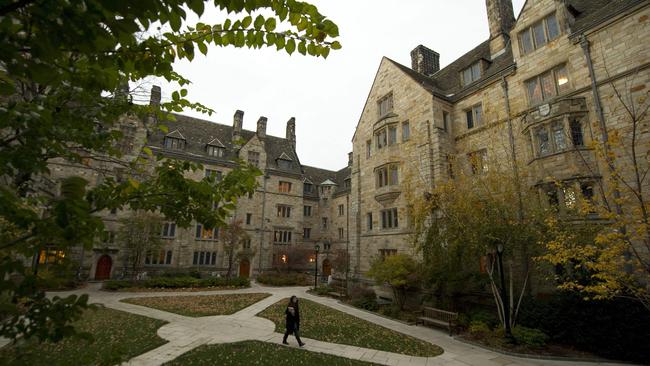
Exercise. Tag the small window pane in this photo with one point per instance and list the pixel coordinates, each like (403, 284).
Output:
(470, 119)
(552, 27)
(476, 71)
(392, 135)
(168, 260)
(467, 76)
(542, 137)
(526, 41)
(558, 137)
(214, 258)
(562, 79)
(576, 133)
(478, 112)
(538, 33)
(202, 258)
(534, 91)
(548, 86)
(406, 131)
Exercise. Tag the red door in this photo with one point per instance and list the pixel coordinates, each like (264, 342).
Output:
(103, 271)
(244, 268)
(327, 267)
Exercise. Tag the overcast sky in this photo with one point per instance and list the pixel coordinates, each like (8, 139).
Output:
(327, 96)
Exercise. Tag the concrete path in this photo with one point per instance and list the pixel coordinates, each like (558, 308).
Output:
(186, 333)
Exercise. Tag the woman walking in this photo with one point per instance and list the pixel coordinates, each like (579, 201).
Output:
(293, 320)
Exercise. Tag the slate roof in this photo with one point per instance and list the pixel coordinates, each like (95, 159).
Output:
(318, 176)
(446, 83)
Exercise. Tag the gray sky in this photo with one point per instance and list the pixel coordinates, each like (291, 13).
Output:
(327, 96)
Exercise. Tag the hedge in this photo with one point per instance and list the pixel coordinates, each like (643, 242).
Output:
(178, 282)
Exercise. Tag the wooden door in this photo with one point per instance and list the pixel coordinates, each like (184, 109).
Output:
(103, 271)
(327, 267)
(244, 268)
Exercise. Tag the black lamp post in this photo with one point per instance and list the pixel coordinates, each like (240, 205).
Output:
(504, 293)
(317, 248)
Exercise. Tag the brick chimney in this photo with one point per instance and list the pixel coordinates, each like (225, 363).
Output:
(424, 60)
(261, 127)
(237, 123)
(154, 99)
(291, 131)
(501, 19)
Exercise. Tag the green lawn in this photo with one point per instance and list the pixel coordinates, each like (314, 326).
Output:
(329, 325)
(200, 305)
(118, 336)
(259, 354)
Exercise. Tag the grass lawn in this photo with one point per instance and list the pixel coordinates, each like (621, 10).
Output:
(200, 305)
(329, 325)
(118, 336)
(259, 353)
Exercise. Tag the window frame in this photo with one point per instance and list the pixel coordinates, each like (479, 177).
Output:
(474, 116)
(215, 151)
(389, 218)
(556, 73)
(384, 109)
(528, 34)
(284, 186)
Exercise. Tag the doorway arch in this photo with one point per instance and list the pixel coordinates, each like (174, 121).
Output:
(103, 270)
(244, 268)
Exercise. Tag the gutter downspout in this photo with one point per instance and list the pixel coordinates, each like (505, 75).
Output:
(263, 226)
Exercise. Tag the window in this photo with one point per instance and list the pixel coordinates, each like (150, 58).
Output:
(306, 211)
(284, 211)
(284, 164)
(327, 247)
(108, 237)
(471, 74)
(446, 121)
(214, 174)
(50, 255)
(392, 135)
(380, 138)
(576, 133)
(587, 190)
(385, 104)
(387, 175)
(324, 223)
(216, 151)
(284, 187)
(347, 183)
(368, 148)
(341, 210)
(369, 220)
(308, 188)
(570, 198)
(158, 257)
(474, 116)
(282, 237)
(539, 34)
(113, 211)
(406, 131)
(387, 252)
(173, 143)
(306, 233)
(551, 138)
(249, 218)
(246, 244)
(478, 161)
(254, 158)
(341, 233)
(547, 85)
(168, 230)
(204, 233)
(450, 166)
(389, 218)
(204, 258)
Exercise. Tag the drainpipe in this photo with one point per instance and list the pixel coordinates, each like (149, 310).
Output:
(262, 231)
(584, 43)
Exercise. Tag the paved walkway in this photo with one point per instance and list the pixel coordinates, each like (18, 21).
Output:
(185, 333)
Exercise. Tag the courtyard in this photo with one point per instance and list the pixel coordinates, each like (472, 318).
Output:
(245, 326)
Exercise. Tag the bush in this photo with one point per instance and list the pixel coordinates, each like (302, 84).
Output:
(478, 328)
(114, 285)
(363, 298)
(489, 318)
(284, 279)
(178, 282)
(617, 329)
(529, 336)
(391, 311)
(323, 290)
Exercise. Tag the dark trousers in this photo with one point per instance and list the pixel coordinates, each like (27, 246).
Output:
(295, 333)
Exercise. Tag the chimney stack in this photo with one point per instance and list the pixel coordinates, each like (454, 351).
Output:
(261, 127)
(237, 123)
(291, 131)
(425, 61)
(350, 158)
(501, 19)
(154, 99)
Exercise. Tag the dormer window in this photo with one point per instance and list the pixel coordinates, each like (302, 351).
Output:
(308, 188)
(385, 105)
(173, 143)
(539, 34)
(471, 74)
(284, 162)
(216, 151)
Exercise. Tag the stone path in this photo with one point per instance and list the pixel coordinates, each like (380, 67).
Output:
(185, 333)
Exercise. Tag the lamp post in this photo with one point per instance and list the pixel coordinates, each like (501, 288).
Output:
(504, 293)
(317, 248)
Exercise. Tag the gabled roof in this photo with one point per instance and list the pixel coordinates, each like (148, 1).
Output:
(175, 134)
(328, 182)
(215, 142)
(593, 12)
(284, 156)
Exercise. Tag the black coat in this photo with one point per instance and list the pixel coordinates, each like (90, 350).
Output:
(293, 320)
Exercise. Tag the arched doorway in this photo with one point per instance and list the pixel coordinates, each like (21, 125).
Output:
(327, 267)
(103, 270)
(244, 268)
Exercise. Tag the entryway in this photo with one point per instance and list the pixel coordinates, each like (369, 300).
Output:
(244, 268)
(327, 268)
(103, 270)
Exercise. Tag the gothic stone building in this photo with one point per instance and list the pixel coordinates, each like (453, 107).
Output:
(535, 94)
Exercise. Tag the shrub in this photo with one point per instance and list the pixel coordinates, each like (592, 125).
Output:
(363, 298)
(323, 290)
(489, 318)
(284, 279)
(529, 336)
(391, 311)
(478, 328)
(114, 285)
(178, 282)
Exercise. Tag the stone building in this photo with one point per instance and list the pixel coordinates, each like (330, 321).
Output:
(535, 94)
